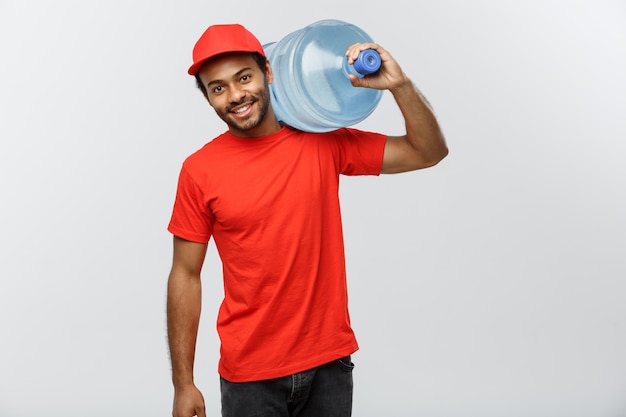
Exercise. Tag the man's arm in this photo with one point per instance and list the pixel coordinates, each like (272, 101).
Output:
(423, 145)
(184, 298)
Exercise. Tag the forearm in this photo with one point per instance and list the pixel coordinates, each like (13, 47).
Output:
(183, 315)
(423, 133)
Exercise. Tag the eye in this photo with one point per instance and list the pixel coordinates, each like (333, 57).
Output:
(245, 78)
(218, 89)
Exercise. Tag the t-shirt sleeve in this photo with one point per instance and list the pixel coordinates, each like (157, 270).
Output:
(191, 218)
(361, 152)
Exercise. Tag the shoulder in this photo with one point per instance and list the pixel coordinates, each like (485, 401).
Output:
(207, 152)
(351, 137)
(348, 133)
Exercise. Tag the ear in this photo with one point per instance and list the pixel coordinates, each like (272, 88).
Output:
(269, 75)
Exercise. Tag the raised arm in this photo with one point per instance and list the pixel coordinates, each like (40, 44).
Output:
(423, 145)
(183, 315)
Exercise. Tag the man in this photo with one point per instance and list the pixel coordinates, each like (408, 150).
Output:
(268, 194)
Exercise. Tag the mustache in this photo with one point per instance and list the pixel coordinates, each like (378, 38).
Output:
(245, 100)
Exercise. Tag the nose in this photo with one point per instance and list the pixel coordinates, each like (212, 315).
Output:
(236, 93)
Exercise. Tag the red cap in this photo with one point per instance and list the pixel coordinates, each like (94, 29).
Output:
(218, 39)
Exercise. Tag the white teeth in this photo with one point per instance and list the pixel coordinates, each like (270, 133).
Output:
(242, 110)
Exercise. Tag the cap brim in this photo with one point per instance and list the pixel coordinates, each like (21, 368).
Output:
(193, 70)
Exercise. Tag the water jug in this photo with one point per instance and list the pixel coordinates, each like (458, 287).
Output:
(311, 90)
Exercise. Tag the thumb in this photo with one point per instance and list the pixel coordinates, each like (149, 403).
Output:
(356, 81)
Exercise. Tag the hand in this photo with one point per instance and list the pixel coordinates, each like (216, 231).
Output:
(188, 402)
(388, 77)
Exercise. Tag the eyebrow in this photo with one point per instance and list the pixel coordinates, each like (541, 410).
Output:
(235, 75)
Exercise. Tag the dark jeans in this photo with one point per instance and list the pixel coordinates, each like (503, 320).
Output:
(325, 391)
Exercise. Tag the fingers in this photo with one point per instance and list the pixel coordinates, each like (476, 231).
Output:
(354, 80)
(198, 411)
(353, 50)
(188, 402)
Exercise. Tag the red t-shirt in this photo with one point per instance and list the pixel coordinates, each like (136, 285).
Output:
(272, 206)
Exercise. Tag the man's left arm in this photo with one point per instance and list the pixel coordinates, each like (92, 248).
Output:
(423, 145)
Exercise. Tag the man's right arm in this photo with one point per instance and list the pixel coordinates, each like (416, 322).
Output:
(184, 298)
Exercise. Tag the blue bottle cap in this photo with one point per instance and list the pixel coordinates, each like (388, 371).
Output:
(368, 62)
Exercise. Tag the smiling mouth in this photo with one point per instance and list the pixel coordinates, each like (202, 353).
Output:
(242, 109)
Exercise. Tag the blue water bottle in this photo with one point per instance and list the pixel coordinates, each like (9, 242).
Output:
(311, 90)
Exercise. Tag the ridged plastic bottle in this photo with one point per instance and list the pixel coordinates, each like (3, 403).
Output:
(311, 90)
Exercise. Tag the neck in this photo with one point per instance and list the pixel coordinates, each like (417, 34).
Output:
(268, 126)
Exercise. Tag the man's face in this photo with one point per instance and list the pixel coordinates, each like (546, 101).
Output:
(238, 91)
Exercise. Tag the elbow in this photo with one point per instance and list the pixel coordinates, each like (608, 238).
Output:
(432, 158)
(430, 150)
(441, 154)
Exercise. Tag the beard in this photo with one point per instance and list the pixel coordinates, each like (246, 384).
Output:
(263, 102)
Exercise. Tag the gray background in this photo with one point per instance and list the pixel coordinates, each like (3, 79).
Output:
(490, 285)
